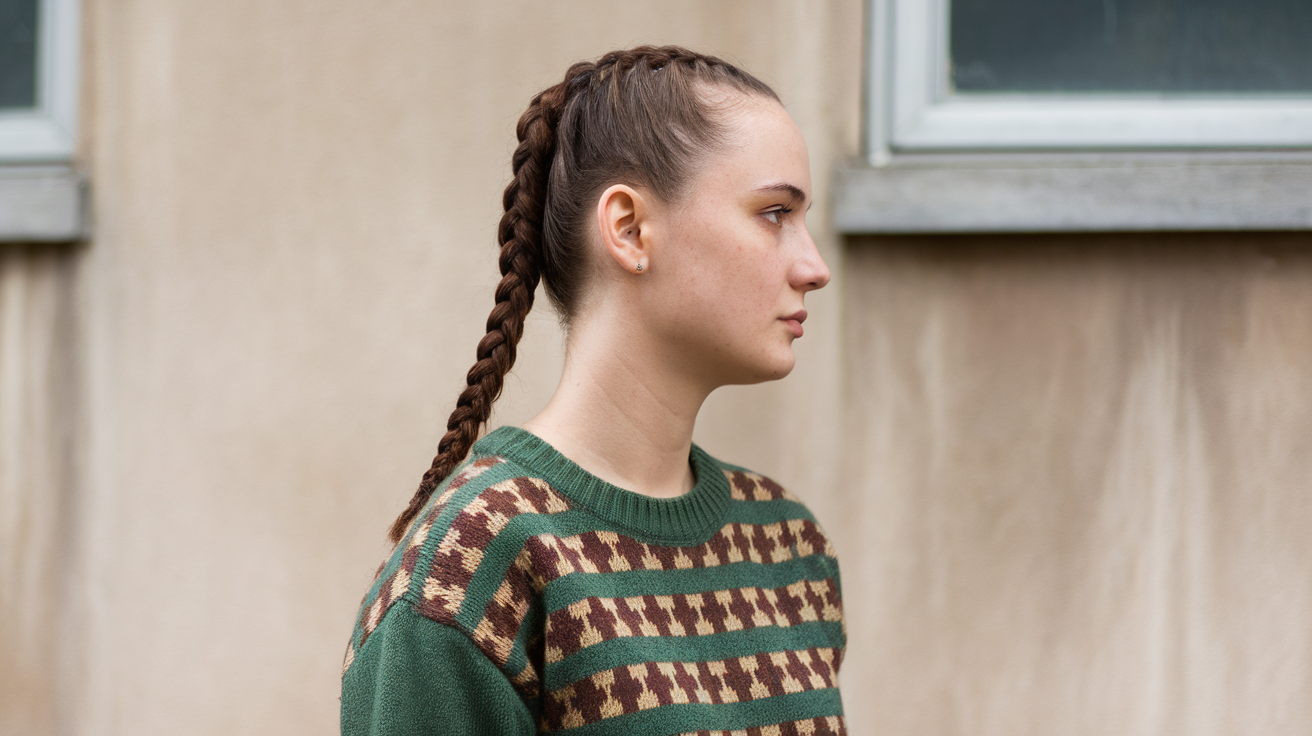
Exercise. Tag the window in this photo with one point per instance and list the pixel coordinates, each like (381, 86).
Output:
(17, 54)
(1036, 74)
(1154, 46)
(1084, 114)
(40, 195)
(38, 80)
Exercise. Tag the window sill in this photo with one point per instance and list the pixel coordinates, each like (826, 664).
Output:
(976, 193)
(41, 204)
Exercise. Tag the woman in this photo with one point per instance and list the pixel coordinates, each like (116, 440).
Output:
(596, 571)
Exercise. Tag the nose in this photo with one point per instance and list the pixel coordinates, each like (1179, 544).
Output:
(809, 271)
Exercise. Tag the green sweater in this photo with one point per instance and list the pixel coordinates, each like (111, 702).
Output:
(532, 597)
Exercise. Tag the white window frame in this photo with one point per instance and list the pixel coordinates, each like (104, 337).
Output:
(42, 197)
(925, 116)
(934, 163)
(48, 132)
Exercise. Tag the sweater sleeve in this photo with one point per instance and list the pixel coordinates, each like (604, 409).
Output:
(415, 676)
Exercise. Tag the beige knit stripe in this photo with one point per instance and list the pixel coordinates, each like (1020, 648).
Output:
(748, 486)
(350, 657)
(604, 552)
(639, 687)
(593, 620)
(822, 726)
(496, 631)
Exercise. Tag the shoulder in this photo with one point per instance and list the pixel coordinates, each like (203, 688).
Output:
(746, 485)
(467, 545)
(460, 565)
(760, 496)
(772, 522)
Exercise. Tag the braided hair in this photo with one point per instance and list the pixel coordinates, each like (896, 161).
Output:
(640, 117)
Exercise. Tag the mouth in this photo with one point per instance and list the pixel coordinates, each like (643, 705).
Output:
(794, 322)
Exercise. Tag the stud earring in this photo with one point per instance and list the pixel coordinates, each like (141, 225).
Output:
(639, 267)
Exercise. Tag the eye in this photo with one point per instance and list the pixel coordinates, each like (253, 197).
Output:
(776, 214)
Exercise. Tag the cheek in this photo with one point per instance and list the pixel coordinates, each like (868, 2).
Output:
(742, 306)
(733, 286)
(740, 281)
(729, 282)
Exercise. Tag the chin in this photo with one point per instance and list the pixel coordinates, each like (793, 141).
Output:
(782, 370)
(764, 371)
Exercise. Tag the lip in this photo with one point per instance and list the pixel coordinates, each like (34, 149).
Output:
(794, 321)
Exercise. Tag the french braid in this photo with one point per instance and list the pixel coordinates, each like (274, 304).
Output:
(638, 116)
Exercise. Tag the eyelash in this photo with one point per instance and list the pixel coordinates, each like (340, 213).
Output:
(777, 213)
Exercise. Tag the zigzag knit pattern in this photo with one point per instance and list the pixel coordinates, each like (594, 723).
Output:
(715, 613)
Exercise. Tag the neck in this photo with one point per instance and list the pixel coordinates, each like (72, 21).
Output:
(625, 415)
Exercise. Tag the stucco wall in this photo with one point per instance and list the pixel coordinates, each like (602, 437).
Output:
(295, 210)
(1081, 467)
(1065, 474)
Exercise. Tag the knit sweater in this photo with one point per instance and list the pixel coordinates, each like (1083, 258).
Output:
(530, 596)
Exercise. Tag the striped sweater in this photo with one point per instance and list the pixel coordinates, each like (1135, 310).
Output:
(532, 597)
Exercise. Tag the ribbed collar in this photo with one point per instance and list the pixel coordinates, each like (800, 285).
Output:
(688, 519)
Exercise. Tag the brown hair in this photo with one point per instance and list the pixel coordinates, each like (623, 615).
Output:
(639, 117)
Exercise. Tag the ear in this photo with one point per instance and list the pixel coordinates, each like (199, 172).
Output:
(624, 220)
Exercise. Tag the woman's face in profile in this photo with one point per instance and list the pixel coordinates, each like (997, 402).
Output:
(739, 260)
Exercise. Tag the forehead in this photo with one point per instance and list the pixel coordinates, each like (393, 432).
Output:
(762, 146)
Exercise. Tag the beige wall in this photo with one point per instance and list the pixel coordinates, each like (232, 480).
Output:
(1081, 465)
(1065, 474)
(295, 209)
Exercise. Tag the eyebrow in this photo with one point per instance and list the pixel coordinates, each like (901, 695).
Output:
(785, 188)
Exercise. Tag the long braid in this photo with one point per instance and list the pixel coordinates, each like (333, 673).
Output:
(520, 235)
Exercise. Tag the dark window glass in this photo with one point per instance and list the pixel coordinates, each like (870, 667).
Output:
(18, 39)
(1181, 46)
